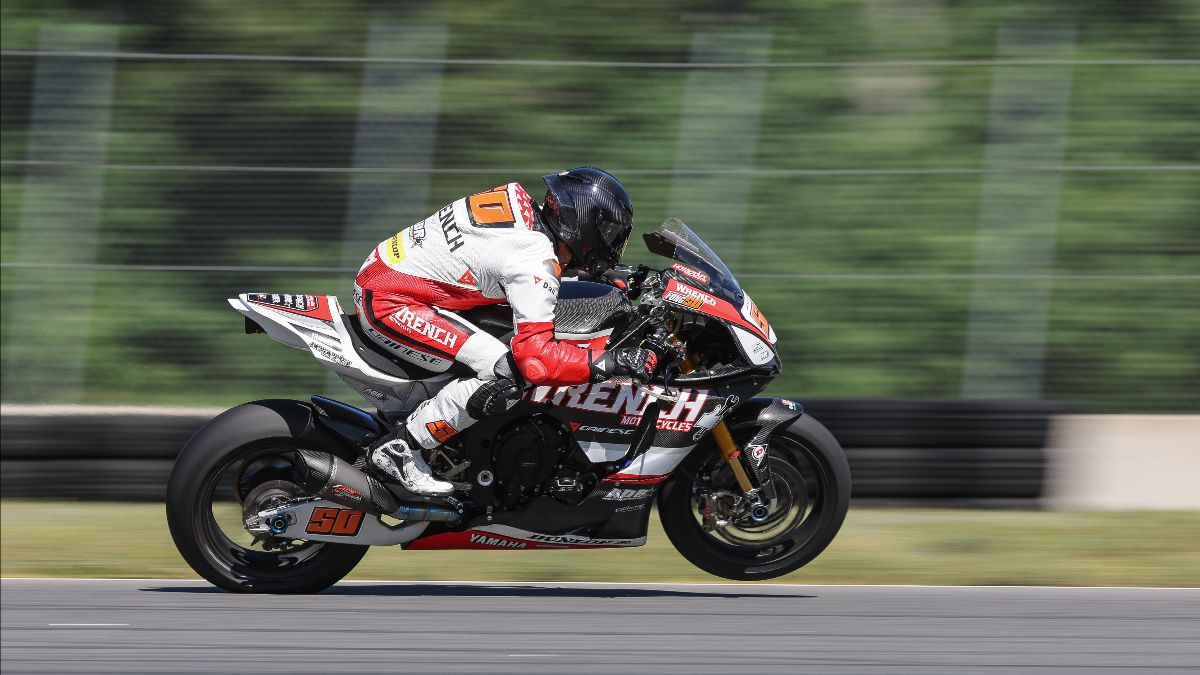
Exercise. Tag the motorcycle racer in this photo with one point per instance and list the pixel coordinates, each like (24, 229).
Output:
(492, 247)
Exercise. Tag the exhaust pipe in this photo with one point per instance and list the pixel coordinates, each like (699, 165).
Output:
(334, 479)
(438, 514)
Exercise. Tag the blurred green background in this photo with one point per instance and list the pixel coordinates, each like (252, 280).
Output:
(875, 546)
(927, 198)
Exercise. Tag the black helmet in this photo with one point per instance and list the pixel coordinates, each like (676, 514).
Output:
(590, 211)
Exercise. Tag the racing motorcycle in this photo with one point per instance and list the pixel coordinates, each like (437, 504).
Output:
(275, 496)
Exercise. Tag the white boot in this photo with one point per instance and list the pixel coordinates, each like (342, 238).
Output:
(398, 460)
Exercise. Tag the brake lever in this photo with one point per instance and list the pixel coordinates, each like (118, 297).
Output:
(673, 365)
(664, 396)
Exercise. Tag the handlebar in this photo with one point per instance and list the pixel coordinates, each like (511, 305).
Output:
(650, 323)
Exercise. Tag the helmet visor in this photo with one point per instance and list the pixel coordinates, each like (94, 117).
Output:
(615, 236)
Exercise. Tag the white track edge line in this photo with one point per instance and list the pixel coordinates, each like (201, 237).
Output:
(552, 584)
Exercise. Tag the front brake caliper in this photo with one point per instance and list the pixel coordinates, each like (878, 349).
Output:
(708, 512)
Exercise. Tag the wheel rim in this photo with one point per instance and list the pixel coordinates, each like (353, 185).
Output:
(218, 519)
(805, 504)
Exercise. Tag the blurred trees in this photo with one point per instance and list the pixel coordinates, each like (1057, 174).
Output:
(228, 174)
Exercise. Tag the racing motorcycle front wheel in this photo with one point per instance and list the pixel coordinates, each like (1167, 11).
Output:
(709, 521)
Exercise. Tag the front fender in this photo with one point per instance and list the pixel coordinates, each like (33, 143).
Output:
(765, 411)
(766, 415)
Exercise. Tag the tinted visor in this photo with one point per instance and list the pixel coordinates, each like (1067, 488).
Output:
(614, 238)
(615, 235)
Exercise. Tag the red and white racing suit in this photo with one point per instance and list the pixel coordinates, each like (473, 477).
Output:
(483, 249)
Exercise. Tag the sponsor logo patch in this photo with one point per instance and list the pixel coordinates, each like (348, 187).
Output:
(709, 420)
(760, 351)
(450, 231)
(329, 355)
(394, 249)
(605, 430)
(627, 494)
(303, 303)
(347, 492)
(409, 319)
(577, 539)
(692, 298)
(691, 273)
(499, 542)
(406, 350)
(620, 398)
(662, 424)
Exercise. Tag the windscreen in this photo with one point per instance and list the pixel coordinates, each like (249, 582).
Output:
(677, 241)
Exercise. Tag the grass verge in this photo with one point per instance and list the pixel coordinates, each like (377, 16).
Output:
(876, 545)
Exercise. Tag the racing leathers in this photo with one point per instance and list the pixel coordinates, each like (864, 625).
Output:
(487, 248)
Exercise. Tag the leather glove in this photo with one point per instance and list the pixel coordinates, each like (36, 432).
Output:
(635, 362)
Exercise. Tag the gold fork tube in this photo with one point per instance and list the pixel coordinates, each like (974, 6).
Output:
(729, 450)
(724, 439)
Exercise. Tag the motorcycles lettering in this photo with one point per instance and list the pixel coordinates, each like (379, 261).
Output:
(747, 488)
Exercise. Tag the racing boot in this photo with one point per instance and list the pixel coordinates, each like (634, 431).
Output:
(399, 459)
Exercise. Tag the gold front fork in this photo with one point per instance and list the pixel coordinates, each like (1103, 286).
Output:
(724, 439)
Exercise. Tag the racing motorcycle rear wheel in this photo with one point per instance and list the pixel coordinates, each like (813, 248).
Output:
(707, 519)
(211, 493)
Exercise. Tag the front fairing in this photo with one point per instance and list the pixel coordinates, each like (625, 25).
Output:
(699, 281)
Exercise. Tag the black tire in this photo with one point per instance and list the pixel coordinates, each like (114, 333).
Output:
(236, 438)
(804, 451)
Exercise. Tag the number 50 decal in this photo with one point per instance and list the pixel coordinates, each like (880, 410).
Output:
(344, 522)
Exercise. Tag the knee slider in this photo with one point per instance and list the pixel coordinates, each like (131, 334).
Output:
(494, 397)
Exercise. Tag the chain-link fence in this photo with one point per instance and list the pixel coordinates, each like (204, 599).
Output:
(926, 199)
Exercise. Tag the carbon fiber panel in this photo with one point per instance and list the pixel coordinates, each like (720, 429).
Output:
(585, 307)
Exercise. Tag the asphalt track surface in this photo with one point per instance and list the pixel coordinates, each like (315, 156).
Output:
(173, 626)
